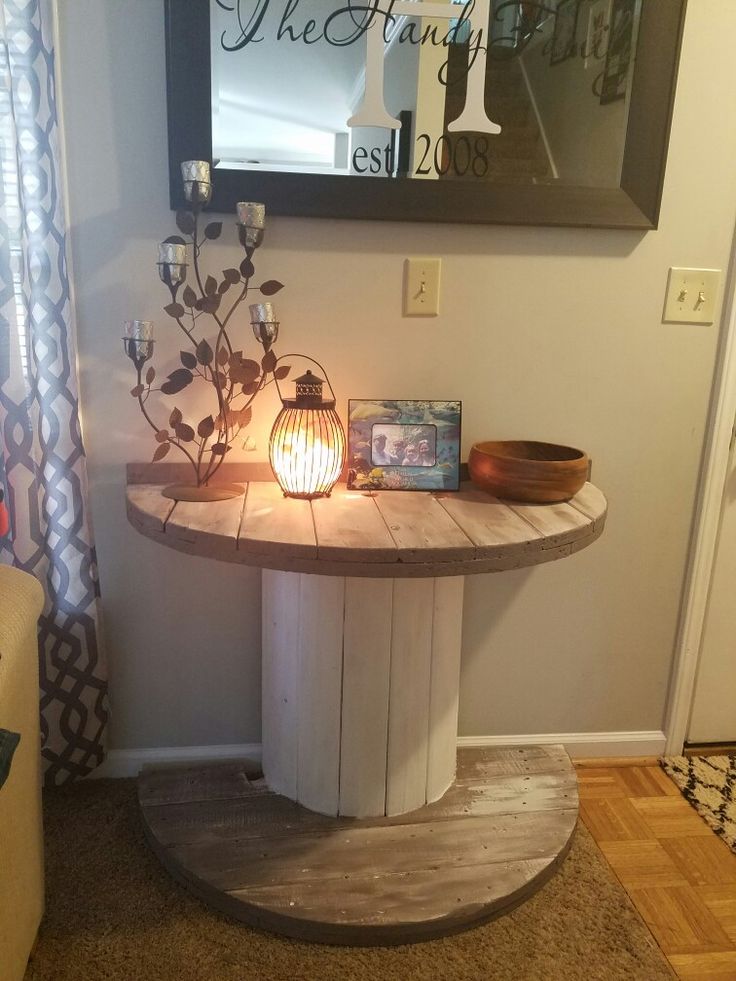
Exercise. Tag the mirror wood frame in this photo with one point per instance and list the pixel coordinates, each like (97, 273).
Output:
(634, 204)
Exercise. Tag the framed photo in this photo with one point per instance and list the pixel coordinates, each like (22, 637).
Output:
(565, 32)
(618, 59)
(403, 445)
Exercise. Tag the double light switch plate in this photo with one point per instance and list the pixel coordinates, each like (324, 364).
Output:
(691, 296)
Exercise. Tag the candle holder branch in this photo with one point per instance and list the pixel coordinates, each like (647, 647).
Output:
(235, 380)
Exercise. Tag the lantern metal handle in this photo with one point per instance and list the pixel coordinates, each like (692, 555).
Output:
(306, 358)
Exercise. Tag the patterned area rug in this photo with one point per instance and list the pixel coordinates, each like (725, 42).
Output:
(709, 784)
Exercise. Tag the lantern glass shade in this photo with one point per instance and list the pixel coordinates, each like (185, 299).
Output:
(307, 451)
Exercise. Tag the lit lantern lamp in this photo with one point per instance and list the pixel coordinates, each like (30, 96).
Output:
(307, 445)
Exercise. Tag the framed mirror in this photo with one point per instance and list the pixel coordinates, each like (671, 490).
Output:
(533, 112)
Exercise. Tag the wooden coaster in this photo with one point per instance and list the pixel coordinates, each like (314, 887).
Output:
(496, 836)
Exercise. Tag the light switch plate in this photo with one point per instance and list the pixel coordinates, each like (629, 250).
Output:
(691, 296)
(422, 287)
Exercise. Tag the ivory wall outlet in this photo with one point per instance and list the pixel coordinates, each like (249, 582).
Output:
(691, 296)
(422, 287)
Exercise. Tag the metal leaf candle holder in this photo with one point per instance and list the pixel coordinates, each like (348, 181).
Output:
(235, 380)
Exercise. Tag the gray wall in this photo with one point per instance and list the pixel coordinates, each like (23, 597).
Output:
(549, 334)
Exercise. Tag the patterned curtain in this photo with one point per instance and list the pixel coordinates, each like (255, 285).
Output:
(42, 462)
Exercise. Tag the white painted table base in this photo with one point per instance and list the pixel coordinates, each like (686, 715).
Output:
(360, 690)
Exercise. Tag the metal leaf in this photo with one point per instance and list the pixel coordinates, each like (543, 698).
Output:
(282, 372)
(177, 381)
(250, 388)
(206, 427)
(138, 390)
(268, 361)
(161, 452)
(210, 285)
(189, 296)
(150, 375)
(213, 230)
(231, 276)
(175, 417)
(222, 356)
(185, 222)
(247, 268)
(204, 353)
(162, 436)
(219, 449)
(244, 416)
(188, 359)
(185, 432)
(210, 304)
(175, 310)
(271, 287)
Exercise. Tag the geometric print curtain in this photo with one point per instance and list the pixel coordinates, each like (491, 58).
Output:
(42, 462)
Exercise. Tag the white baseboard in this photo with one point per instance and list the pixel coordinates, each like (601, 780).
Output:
(581, 744)
(128, 762)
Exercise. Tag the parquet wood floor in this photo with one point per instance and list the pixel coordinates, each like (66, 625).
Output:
(680, 876)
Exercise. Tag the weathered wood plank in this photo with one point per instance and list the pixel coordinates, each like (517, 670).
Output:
(365, 696)
(422, 529)
(411, 665)
(590, 502)
(281, 525)
(447, 625)
(280, 591)
(488, 522)
(318, 692)
(197, 782)
(349, 526)
(147, 508)
(558, 524)
(207, 527)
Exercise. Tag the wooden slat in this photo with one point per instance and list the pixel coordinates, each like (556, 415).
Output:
(558, 524)
(319, 691)
(411, 662)
(365, 696)
(488, 522)
(148, 508)
(591, 502)
(349, 526)
(447, 627)
(208, 527)
(280, 591)
(196, 782)
(422, 529)
(279, 524)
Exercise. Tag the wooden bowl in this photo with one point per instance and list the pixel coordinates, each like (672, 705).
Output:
(524, 470)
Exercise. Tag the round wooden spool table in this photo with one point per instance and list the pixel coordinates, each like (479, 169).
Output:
(361, 831)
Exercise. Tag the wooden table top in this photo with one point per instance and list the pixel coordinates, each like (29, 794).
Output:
(387, 534)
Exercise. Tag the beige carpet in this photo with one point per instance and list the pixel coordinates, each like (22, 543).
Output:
(114, 913)
(709, 784)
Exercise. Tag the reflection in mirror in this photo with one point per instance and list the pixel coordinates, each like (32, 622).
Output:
(514, 91)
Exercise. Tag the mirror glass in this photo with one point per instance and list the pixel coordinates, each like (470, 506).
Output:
(512, 91)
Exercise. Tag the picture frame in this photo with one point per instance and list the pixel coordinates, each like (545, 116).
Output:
(615, 80)
(565, 32)
(634, 204)
(404, 444)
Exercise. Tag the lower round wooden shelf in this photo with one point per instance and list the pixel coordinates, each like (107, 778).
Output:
(497, 835)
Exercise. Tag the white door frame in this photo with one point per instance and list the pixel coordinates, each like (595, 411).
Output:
(706, 525)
